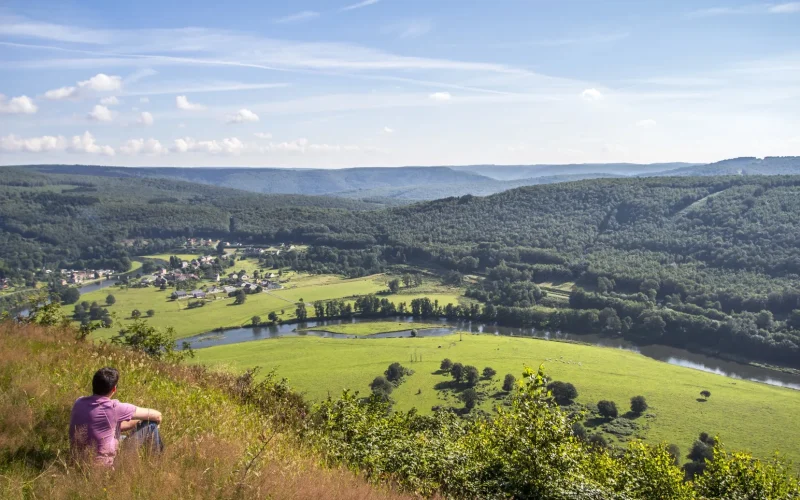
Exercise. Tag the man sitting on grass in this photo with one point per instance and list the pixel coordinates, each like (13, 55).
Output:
(97, 422)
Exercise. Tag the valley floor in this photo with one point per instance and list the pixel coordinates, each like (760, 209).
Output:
(746, 415)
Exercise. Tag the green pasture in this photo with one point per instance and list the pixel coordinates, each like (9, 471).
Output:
(375, 327)
(746, 415)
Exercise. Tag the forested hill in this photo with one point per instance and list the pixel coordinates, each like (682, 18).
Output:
(283, 181)
(771, 165)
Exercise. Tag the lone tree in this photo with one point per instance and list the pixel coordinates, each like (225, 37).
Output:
(563, 392)
(111, 300)
(381, 387)
(396, 372)
(472, 375)
(705, 394)
(394, 285)
(446, 365)
(508, 382)
(301, 312)
(489, 372)
(150, 313)
(136, 314)
(272, 317)
(255, 320)
(457, 371)
(470, 398)
(241, 297)
(607, 409)
(638, 405)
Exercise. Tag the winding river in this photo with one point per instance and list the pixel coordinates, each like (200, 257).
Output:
(671, 355)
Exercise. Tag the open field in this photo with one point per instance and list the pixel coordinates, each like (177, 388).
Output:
(376, 327)
(222, 312)
(746, 415)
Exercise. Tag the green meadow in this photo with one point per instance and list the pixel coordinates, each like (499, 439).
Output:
(746, 415)
(363, 329)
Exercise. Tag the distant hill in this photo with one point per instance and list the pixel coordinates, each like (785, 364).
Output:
(515, 172)
(284, 181)
(771, 165)
(396, 195)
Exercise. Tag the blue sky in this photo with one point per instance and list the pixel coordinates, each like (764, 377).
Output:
(397, 82)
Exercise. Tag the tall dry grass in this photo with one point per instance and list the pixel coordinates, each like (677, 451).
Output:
(217, 445)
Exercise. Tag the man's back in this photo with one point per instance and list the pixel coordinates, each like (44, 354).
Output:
(94, 426)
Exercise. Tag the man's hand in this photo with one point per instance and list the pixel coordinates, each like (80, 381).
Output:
(147, 414)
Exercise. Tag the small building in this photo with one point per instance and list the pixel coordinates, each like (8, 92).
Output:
(198, 294)
(178, 294)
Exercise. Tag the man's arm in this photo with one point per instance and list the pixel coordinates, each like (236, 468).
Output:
(147, 414)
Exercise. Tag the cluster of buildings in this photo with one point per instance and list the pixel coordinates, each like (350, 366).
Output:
(200, 242)
(76, 277)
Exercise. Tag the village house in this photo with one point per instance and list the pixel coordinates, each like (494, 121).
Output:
(198, 294)
(178, 294)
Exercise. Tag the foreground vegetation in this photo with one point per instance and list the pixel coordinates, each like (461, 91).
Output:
(222, 440)
(747, 414)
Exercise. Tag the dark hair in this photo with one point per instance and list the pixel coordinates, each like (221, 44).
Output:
(104, 381)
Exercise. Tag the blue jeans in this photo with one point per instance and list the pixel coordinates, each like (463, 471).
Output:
(146, 436)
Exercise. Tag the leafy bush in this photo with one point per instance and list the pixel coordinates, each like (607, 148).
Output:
(638, 405)
(563, 392)
(607, 409)
(508, 382)
(446, 365)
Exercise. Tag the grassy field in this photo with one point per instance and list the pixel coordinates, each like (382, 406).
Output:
(376, 327)
(746, 415)
(222, 312)
(166, 256)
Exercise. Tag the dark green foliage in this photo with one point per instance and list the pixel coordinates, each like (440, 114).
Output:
(69, 295)
(489, 372)
(381, 387)
(508, 382)
(675, 451)
(597, 441)
(705, 394)
(638, 405)
(240, 297)
(150, 313)
(396, 372)
(579, 431)
(394, 285)
(470, 398)
(255, 320)
(151, 341)
(607, 409)
(136, 314)
(457, 371)
(110, 300)
(471, 375)
(563, 392)
(446, 365)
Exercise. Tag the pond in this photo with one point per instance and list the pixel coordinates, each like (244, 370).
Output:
(671, 355)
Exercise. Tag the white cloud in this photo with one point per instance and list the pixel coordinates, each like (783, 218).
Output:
(101, 113)
(229, 145)
(183, 103)
(98, 83)
(409, 29)
(358, 5)
(86, 144)
(22, 105)
(440, 96)
(591, 95)
(12, 144)
(242, 116)
(785, 8)
(144, 100)
(77, 144)
(388, 130)
(300, 16)
(647, 123)
(109, 101)
(141, 146)
(263, 135)
(146, 119)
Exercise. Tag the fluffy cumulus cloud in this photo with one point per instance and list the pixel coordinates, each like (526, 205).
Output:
(243, 116)
(151, 147)
(22, 105)
(591, 95)
(98, 83)
(183, 103)
(109, 101)
(101, 113)
(648, 123)
(229, 145)
(77, 144)
(146, 119)
(440, 96)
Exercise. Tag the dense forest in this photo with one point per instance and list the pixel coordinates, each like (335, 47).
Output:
(706, 261)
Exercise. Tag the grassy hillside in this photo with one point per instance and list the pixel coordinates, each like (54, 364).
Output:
(210, 435)
(747, 415)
